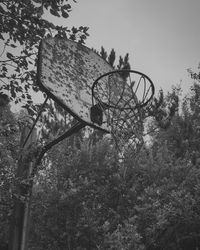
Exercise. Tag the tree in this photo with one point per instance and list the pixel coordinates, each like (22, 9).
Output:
(83, 201)
(122, 63)
(168, 221)
(9, 148)
(22, 26)
(166, 199)
(93, 200)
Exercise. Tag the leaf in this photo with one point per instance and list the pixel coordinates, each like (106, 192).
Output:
(2, 10)
(65, 14)
(4, 69)
(54, 12)
(13, 94)
(28, 96)
(67, 7)
(9, 55)
(1, 37)
(40, 11)
(17, 70)
(13, 76)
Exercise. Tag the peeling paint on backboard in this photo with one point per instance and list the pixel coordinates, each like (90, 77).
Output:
(67, 70)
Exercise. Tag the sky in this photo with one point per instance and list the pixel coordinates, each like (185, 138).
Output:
(162, 37)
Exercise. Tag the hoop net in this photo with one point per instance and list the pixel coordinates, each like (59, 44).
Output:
(127, 93)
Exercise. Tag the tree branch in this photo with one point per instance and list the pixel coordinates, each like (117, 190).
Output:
(3, 81)
(10, 65)
(3, 50)
(17, 58)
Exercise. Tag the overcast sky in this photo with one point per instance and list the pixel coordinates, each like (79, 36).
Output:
(162, 37)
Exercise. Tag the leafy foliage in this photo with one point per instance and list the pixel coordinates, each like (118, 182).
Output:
(87, 198)
(9, 138)
(92, 200)
(22, 26)
(123, 63)
(84, 196)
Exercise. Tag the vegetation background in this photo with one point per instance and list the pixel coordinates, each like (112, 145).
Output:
(84, 196)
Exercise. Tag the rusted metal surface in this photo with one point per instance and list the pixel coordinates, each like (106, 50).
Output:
(66, 71)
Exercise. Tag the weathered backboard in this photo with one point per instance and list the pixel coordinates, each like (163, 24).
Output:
(66, 72)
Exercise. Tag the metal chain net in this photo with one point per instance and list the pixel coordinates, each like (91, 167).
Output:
(122, 107)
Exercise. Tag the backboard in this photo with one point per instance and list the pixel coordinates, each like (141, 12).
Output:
(66, 72)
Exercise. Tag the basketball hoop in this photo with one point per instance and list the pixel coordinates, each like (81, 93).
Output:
(68, 71)
(121, 106)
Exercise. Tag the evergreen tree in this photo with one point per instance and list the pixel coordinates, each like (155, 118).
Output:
(111, 58)
(123, 63)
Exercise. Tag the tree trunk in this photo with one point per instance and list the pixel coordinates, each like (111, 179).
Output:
(20, 218)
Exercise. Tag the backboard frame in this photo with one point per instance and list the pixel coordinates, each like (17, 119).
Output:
(43, 86)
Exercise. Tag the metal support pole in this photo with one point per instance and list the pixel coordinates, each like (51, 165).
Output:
(26, 172)
(36, 120)
(25, 226)
(19, 223)
(68, 133)
(18, 227)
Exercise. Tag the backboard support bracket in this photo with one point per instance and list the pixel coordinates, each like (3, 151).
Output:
(74, 129)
